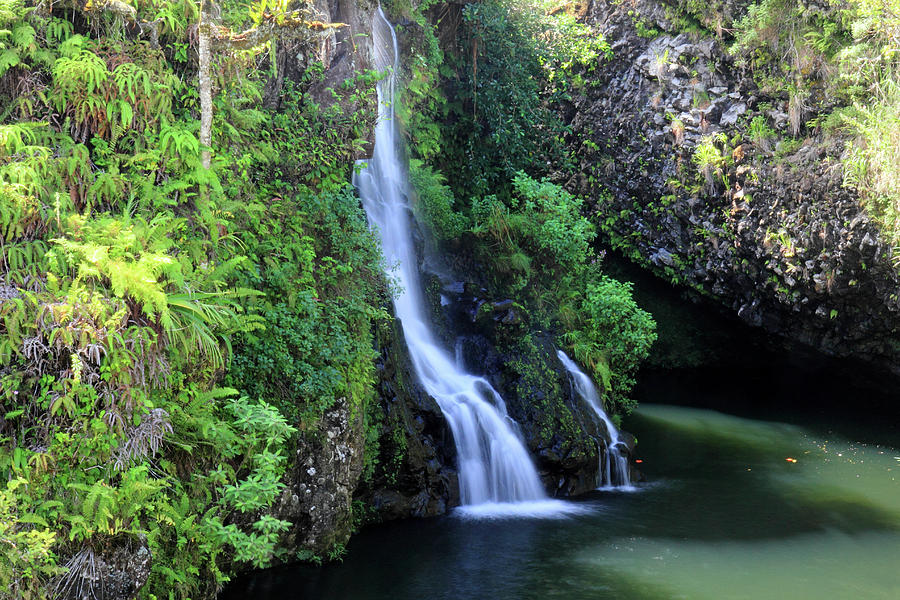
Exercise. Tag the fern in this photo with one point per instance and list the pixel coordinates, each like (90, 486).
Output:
(23, 37)
(178, 141)
(131, 79)
(72, 46)
(204, 321)
(8, 60)
(58, 30)
(18, 138)
(84, 73)
(11, 11)
(112, 510)
(18, 41)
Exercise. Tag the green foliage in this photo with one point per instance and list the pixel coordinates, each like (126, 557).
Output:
(133, 282)
(218, 509)
(760, 132)
(435, 202)
(421, 99)
(26, 541)
(292, 365)
(872, 164)
(315, 143)
(556, 228)
(840, 53)
(712, 158)
(536, 247)
(615, 338)
(258, 435)
(132, 255)
(513, 59)
(323, 273)
(849, 55)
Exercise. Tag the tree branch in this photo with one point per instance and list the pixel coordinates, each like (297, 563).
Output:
(223, 38)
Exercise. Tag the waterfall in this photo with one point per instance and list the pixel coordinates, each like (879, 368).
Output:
(614, 471)
(495, 470)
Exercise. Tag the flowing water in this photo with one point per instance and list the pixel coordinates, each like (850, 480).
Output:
(614, 471)
(724, 515)
(496, 474)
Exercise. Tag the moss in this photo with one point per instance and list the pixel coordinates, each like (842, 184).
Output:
(540, 395)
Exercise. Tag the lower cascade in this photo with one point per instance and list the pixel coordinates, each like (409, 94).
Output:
(614, 471)
(494, 466)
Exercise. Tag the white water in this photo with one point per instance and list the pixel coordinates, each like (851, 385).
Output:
(614, 472)
(494, 467)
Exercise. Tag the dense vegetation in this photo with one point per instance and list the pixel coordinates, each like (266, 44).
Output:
(172, 328)
(167, 331)
(841, 76)
(836, 64)
(507, 67)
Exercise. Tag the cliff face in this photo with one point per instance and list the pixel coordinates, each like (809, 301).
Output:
(770, 233)
(328, 492)
(415, 475)
(763, 227)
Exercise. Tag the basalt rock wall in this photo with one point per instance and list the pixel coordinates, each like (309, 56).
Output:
(769, 232)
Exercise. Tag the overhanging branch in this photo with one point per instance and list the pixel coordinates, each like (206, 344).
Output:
(294, 26)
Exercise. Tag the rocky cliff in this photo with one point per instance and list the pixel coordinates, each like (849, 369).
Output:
(680, 182)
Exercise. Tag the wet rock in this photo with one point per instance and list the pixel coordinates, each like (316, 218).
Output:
(415, 475)
(557, 426)
(317, 499)
(662, 257)
(731, 115)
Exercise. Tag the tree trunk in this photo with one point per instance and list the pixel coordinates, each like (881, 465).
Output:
(206, 108)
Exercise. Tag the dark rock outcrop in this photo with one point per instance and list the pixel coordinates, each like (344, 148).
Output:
(771, 233)
(560, 430)
(318, 497)
(115, 572)
(415, 475)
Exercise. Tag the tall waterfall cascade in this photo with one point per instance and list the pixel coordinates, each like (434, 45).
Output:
(496, 474)
(614, 471)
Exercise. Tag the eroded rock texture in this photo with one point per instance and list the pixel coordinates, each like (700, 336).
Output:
(771, 233)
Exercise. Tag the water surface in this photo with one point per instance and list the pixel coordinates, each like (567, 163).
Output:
(726, 513)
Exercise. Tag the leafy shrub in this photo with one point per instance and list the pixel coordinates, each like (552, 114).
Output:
(26, 541)
(872, 164)
(760, 132)
(435, 202)
(127, 276)
(711, 160)
(615, 337)
(536, 247)
(844, 65)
